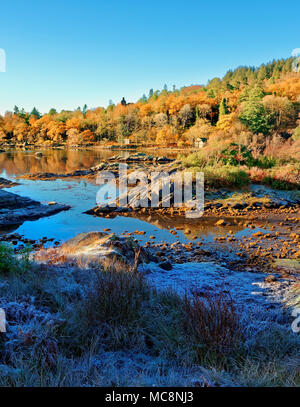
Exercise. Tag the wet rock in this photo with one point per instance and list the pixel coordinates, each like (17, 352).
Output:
(270, 279)
(258, 234)
(240, 206)
(221, 222)
(14, 209)
(6, 183)
(166, 265)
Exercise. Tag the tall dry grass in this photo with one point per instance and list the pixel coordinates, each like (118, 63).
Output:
(211, 319)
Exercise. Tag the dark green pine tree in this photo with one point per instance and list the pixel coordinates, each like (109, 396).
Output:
(150, 93)
(84, 110)
(35, 112)
(223, 107)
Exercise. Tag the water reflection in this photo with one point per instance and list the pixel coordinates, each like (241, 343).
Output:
(193, 229)
(58, 161)
(17, 162)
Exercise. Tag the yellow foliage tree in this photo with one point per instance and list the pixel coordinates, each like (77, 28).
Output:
(166, 136)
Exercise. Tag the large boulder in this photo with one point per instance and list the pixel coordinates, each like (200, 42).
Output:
(98, 247)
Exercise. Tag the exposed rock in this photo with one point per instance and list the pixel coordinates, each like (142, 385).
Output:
(141, 157)
(221, 222)
(14, 209)
(96, 247)
(270, 279)
(6, 183)
(166, 265)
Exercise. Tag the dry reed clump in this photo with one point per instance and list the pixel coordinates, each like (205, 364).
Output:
(212, 321)
(115, 297)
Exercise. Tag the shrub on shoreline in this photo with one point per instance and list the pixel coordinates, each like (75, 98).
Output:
(265, 170)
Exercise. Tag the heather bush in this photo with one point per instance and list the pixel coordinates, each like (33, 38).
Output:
(197, 159)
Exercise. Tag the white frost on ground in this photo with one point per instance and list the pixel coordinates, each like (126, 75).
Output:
(258, 303)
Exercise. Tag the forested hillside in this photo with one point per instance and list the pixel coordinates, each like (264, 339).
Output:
(250, 106)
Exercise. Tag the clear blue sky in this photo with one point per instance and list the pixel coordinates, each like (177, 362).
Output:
(66, 53)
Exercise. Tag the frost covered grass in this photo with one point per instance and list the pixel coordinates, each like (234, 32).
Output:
(72, 326)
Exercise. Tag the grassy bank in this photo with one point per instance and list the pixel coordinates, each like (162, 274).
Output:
(233, 169)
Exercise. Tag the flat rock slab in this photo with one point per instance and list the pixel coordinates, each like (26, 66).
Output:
(6, 183)
(15, 209)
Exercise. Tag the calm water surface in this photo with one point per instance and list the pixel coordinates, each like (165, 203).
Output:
(81, 196)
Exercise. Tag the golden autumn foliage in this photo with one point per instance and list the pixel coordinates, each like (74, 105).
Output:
(166, 136)
(226, 121)
(288, 86)
(246, 100)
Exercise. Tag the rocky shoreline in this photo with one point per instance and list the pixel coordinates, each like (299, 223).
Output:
(110, 164)
(6, 183)
(14, 209)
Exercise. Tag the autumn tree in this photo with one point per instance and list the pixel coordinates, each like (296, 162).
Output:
(282, 109)
(186, 115)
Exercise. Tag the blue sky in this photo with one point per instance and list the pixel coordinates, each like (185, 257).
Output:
(66, 53)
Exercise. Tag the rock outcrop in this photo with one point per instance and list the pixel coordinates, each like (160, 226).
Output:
(97, 247)
(6, 183)
(141, 157)
(111, 165)
(14, 209)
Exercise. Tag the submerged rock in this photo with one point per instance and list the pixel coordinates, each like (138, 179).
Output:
(166, 265)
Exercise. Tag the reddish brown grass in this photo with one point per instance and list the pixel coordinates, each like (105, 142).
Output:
(115, 297)
(212, 321)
